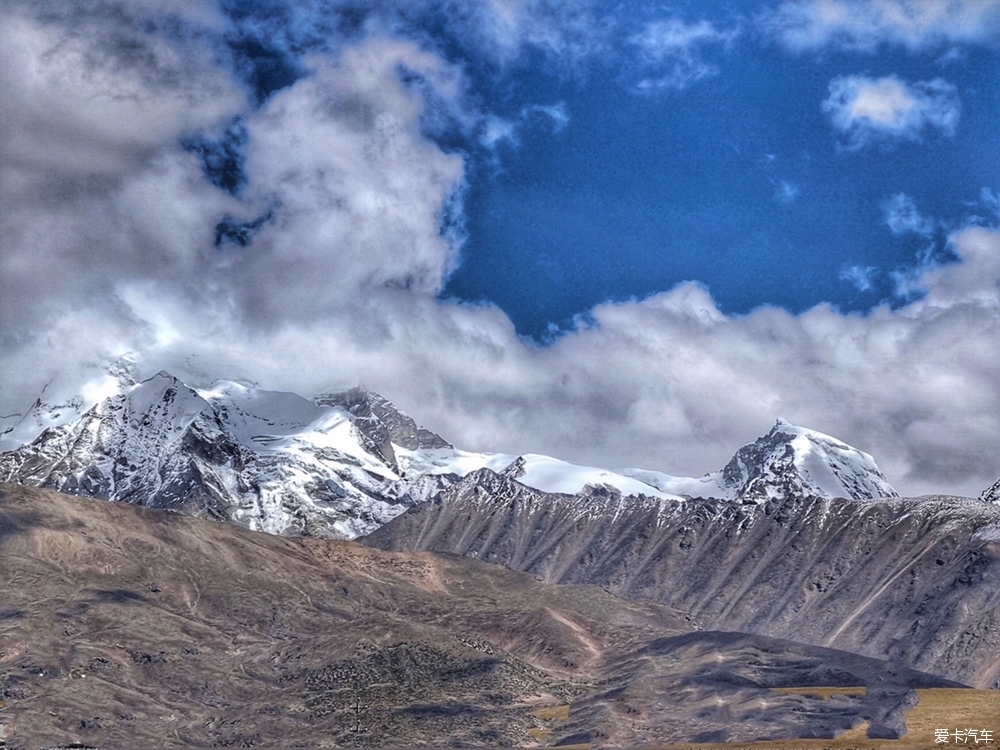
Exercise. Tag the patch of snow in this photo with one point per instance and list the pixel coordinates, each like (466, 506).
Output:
(553, 475)
(706, 486)
(443, 461)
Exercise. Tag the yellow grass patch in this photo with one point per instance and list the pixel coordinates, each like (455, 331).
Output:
(939, 708)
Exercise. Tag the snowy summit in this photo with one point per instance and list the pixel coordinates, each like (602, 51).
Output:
(343, 464)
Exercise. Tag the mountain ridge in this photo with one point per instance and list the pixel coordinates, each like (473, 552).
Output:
(915, 579)
(344, 463)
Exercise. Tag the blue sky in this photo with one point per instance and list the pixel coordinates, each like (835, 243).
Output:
(736, 174)
(616, 233)
(677, 142)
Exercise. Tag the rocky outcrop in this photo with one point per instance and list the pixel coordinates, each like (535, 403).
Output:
(992, 494)
(381, 424)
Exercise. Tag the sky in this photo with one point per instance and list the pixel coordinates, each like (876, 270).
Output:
(620, 234)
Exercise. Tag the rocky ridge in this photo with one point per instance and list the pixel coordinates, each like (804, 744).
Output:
(914, 580)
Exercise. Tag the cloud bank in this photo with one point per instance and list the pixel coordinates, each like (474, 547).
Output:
(109, 246)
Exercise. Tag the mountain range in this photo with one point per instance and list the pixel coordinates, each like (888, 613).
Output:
(342, 464)
(124, 627)
(913, 580)
(497, 599)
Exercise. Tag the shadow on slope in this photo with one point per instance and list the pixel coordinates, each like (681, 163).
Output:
(719, 687)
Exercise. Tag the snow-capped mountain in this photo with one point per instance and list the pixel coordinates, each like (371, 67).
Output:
(271, 461)
(793, 459)
(345, 463)
(992, 494)
(788, 461)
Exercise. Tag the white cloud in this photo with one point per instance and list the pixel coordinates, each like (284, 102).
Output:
(358, 189)
(554, 116)
(672, 53)
(865, 110)
(97, 103)
(92, 107)
(501, 30)
(495, 130)
(861, 277)
(902, 217)
(339, 288)
(865, 24)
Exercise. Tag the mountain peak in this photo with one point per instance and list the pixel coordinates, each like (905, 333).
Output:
(270, 460)
(382, 424)
(792, 459)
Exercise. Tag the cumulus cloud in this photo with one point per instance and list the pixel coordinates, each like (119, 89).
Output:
(357, 190)
(865, 24)
(91, 112)
(672, 53)
(339, 286)
(878, 110)
(96, 103)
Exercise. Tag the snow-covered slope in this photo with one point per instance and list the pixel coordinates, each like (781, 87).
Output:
(271, 461)
(552, 475)
(534, 470)
(345, 463)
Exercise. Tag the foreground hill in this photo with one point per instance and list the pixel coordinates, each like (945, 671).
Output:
(916, 581)
(124, 627)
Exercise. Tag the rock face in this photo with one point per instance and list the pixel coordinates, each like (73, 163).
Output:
(270, 461)
(992, 495)
(381, 424)
(913, 580)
